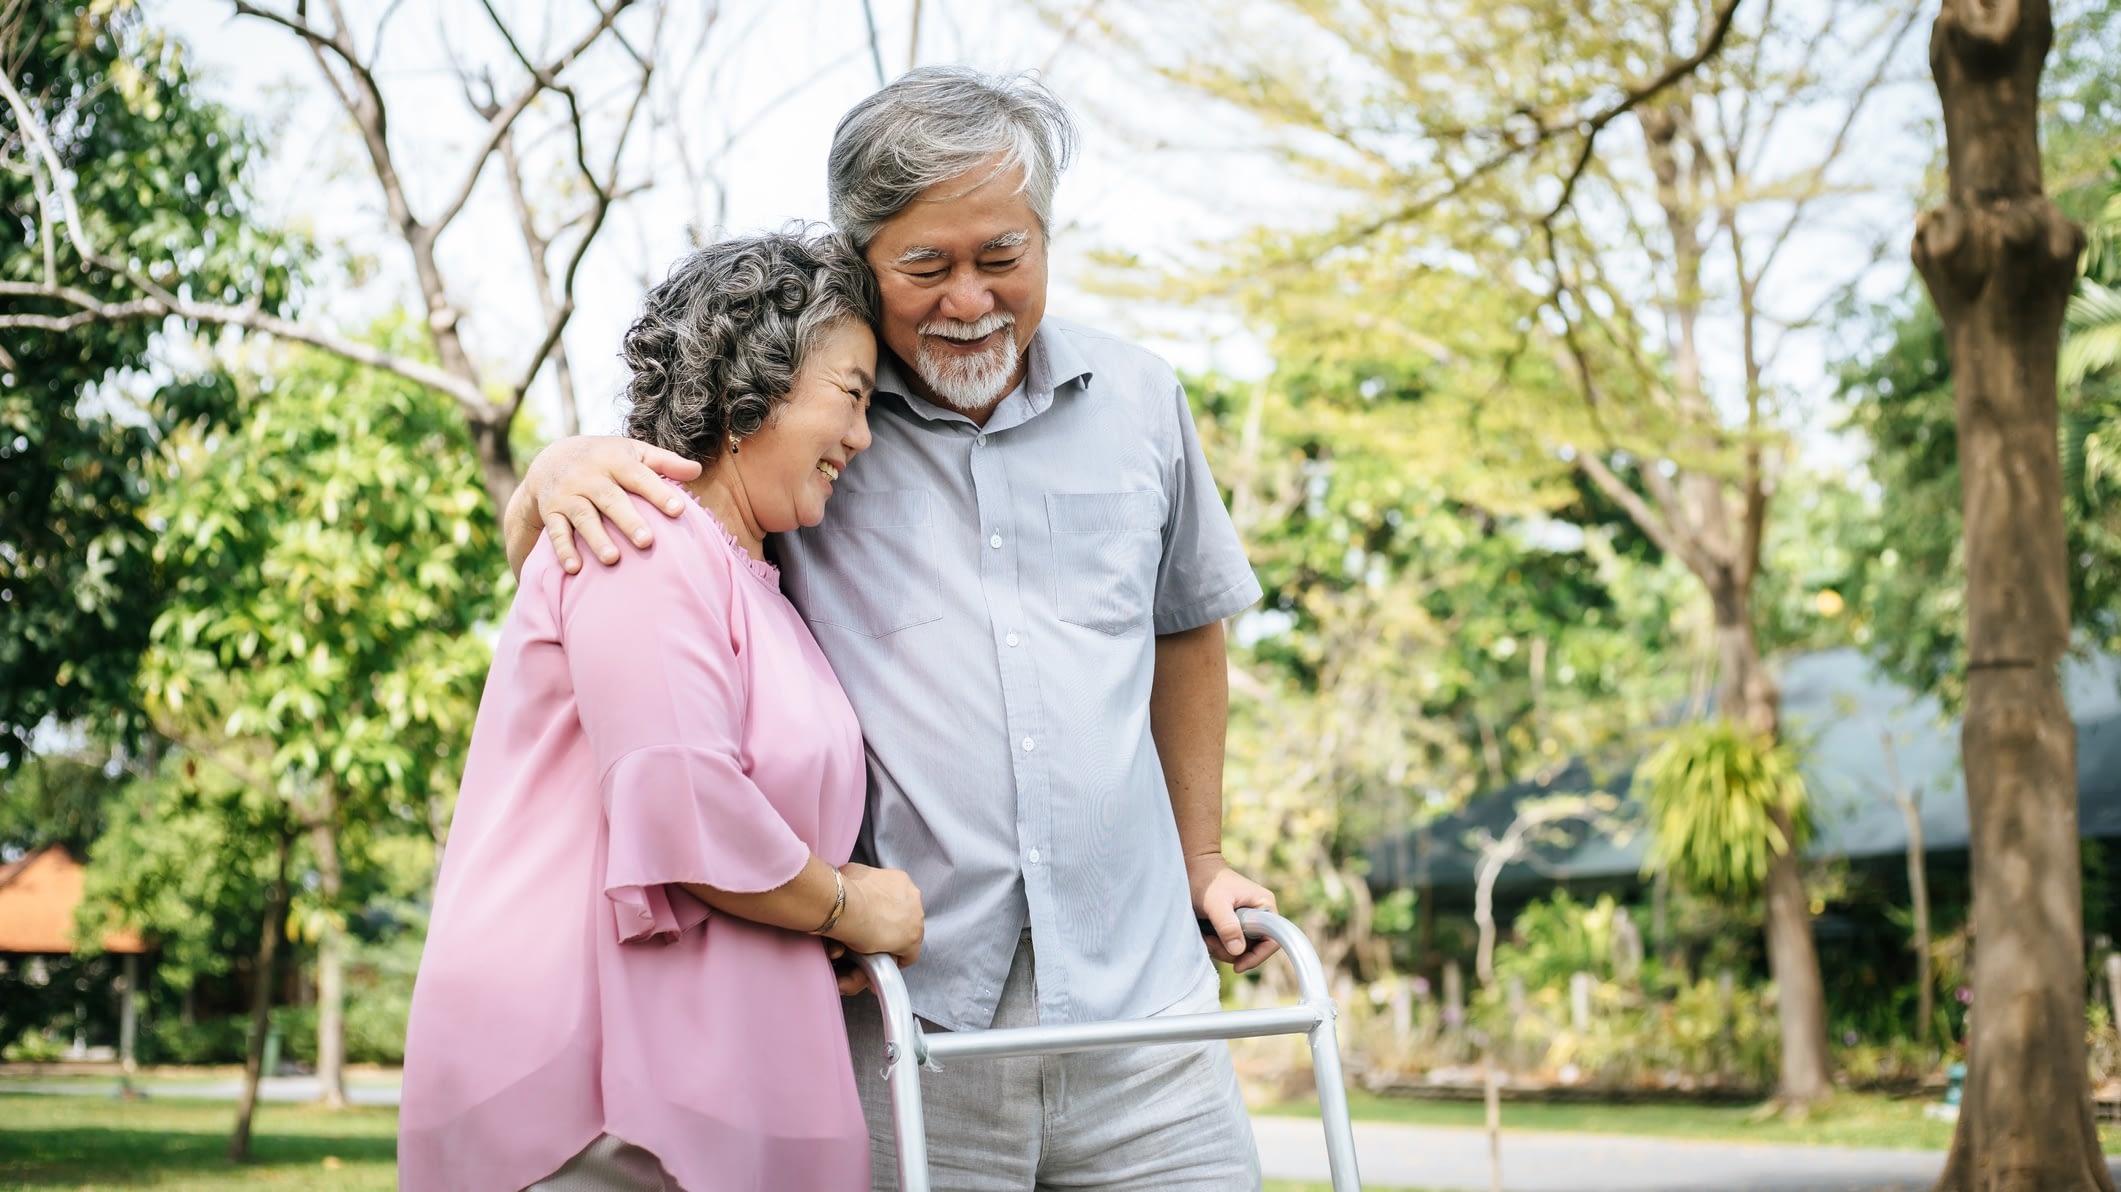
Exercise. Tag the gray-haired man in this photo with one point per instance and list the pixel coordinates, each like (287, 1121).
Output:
(1022, 587)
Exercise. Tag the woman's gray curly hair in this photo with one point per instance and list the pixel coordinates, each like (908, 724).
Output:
(719, 343)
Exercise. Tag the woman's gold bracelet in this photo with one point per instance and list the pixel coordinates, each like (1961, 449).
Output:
(839, 903)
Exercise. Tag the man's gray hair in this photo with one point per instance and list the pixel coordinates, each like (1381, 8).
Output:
(719, 343)
(934, 124)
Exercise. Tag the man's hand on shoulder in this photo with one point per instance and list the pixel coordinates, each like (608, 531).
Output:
(577, 483)
(1218, 891)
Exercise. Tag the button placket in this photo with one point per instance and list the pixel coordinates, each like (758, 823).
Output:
(1000, 580)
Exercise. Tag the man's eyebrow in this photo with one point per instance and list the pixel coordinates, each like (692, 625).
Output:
(917, 254)
(1006, 240)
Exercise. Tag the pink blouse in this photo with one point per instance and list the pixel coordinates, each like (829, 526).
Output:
(569, 987)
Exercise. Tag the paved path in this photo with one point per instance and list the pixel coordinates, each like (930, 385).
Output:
(1440, 1157)
(1394, 1156)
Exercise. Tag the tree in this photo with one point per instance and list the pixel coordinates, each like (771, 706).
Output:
(1908, 801)
(1611, 262)
(1537, 822)
(1507, 644)
(139, 281)
(1906, 588)
(328, 563)
(1728, 817)
(1998, 258)
(161, 171)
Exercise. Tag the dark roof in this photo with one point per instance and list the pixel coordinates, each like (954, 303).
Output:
(1842, 712)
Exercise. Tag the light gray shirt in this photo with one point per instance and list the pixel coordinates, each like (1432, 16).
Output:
(990, 600)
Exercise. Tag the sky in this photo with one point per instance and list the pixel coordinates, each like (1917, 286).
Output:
(758, 96)
(770, 82)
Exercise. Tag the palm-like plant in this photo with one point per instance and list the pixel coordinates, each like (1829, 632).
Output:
(1723, 806)
(1728, 812)
(2090, 366)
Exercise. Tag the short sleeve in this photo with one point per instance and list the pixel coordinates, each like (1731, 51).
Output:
(1203, 575)
(659, 668)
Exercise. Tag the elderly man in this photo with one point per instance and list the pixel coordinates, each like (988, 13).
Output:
(1021, 586)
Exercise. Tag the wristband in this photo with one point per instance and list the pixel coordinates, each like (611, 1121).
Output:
(839, 904)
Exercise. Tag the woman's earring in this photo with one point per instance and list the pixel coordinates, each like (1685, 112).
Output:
(732, 443)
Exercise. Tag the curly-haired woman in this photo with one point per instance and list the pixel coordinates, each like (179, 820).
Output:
(624, 984)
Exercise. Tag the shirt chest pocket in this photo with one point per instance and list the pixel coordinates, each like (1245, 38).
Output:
(1106, 547)
(873, 567)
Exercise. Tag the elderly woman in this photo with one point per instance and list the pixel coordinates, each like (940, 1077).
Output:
(624, 984)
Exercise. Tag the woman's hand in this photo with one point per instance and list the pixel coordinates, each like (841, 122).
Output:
(883, 914)
(575, 484)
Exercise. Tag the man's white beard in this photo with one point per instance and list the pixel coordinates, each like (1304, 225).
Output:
(968, 383)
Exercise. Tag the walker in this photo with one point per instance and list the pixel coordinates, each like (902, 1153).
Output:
(1313, 1017)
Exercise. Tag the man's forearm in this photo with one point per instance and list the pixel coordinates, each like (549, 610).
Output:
(1189, 707)
(520, 528)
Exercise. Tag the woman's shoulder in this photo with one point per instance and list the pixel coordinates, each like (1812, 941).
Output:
(691, 558)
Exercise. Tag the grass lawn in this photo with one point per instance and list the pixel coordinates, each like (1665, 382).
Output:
(93, 1142)
(97, 1142)
(1852, 1119)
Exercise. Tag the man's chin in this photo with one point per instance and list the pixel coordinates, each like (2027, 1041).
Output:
(964, 393)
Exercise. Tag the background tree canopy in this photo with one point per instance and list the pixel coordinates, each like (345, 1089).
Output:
(162, 170)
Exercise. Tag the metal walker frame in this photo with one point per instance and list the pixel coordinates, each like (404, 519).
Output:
(1313, 1016)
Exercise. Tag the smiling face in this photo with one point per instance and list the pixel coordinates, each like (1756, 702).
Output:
(784, 473)
(963, 275)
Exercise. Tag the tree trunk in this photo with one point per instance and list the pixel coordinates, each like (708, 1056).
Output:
(1918, 887)
(1424, 904)
(497, 461)
(331, 957)
(1999, 259)
(1747, 694)
(1484, 914)
(1800, 995)
(261, 1003)
(1661, 923)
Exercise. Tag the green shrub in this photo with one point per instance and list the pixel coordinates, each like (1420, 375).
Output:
(1556, 937)
(214, 1041)
(35, 1046)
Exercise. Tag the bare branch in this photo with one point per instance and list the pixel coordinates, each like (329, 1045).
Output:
(560, 306)
(1637, 509)
(1840, 140)
(89, 308)
(383, 23)
(876, 54)
(358, 94)
(1719, 27)
(542, 78)
(57, 186)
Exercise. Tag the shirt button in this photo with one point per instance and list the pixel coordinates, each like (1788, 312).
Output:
(979, 440)
(1029, 744)
(995, 542)
(1011, 639)
(1033, 858)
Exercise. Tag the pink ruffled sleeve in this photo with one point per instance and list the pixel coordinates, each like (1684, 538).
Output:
(661, 692)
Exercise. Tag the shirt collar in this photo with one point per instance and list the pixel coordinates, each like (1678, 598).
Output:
(1055, 362)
